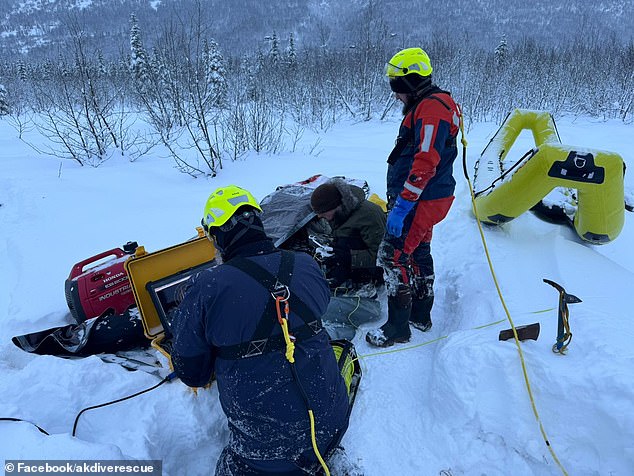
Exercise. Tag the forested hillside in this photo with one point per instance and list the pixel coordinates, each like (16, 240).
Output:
(213, 80)
(37, 26)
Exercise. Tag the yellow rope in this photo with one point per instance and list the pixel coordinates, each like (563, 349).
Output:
(290, 356)
(290, 345)
(283, 320)
(410, 347)
(313, 439)
(353, 311)
(508, 314)
(567, 337)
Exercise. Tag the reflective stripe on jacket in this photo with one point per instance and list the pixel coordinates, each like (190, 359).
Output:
(424, 169)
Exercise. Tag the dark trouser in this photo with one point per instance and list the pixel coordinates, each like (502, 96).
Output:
(230, 464)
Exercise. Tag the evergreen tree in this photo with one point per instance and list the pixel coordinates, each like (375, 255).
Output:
(48, 69)
(158, 71)
(501, 51)
(4, 105)
(138, 57)
(161, 96)
(102, 69)
(275, 48)
(248, 71)
(22, 74)
(63, 67)
(215, 73)
(291, 52)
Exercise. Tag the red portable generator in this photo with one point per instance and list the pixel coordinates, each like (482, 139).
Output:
(103, 288)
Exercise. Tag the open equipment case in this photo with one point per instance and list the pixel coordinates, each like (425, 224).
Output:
(158, 280)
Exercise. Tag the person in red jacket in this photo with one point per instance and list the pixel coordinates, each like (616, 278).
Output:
(420, 187)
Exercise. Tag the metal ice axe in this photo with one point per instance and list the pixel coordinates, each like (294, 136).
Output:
(564, 336)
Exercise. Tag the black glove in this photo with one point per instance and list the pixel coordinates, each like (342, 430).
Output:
(338, 266)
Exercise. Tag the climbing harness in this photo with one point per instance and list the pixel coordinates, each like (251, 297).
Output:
(263, 340)
(564, 336)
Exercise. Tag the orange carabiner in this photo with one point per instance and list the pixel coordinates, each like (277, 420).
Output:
(278, 300)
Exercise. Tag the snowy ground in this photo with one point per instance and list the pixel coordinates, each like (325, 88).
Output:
(457, 406)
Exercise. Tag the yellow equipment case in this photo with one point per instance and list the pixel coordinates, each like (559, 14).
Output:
(144, 268)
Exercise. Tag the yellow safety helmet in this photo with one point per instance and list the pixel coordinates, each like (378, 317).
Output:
(408, 61)
(223, 204)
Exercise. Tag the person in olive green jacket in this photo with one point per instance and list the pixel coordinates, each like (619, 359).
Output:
(357, 227)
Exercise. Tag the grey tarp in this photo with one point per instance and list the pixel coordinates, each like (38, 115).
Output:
(286, 211)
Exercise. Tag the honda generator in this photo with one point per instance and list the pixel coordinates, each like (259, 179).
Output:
(99, 286)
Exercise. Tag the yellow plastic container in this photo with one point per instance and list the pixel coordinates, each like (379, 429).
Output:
(145, 267)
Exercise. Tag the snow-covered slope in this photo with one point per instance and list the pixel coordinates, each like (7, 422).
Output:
(458, 404)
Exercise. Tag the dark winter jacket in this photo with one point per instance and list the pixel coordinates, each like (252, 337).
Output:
(424, 168)
(359, 225)
(267, 416)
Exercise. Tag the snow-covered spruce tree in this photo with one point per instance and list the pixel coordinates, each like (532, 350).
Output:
(274, 53)
(4, 105)
(158, 96)
(151, 79)
(47, 70)
(215, 73)
(291, 52)
(501, 51)
(138, 55)
(249, 70)
(22, 71)
(102, 69)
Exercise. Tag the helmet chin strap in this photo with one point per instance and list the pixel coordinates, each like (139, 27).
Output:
(247, 220)
(423, 88)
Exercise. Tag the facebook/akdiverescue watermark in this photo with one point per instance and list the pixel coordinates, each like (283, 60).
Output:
(85, 467)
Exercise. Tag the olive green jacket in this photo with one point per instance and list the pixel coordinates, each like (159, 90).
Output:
(359, 226)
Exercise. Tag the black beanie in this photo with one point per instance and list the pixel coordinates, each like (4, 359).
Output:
(241, 234)
(326, 197)
(409, 84)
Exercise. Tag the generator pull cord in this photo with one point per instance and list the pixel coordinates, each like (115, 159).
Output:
(169, 378)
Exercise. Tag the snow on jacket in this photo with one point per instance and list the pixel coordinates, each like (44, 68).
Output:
(360, 225)
(424, 169)
(267, 416)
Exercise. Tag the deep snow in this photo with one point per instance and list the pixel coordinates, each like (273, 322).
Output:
(457, 405)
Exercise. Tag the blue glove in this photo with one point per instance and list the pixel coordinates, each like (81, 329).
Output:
(395, 219)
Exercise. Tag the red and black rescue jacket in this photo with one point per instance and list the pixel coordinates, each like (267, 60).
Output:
(421, 164)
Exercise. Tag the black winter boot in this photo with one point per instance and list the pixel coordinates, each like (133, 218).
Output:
(396, 329)
(421, 313)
